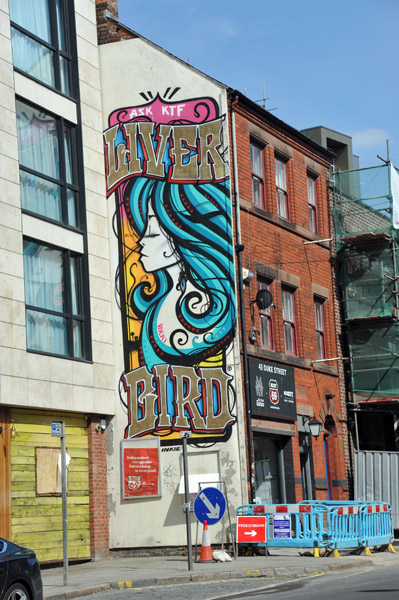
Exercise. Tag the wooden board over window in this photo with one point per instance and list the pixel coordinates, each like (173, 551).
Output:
(47, 471)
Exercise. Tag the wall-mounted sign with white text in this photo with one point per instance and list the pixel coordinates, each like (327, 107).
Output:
(272, 388)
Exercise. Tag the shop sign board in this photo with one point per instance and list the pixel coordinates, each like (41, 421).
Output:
(281, 526)
(140, 468)
(209, 505)
(251, 529)
(272, 387)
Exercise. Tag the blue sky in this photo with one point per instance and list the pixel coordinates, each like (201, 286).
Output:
(323, 63)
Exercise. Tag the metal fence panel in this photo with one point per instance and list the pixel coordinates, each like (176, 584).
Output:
(377, 479)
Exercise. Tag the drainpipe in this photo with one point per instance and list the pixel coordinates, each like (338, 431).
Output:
(239, 248)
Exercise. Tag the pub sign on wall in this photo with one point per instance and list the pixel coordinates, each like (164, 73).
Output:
(272, 387)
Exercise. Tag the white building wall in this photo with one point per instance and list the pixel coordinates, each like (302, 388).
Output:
(128, 68)
(28, 379)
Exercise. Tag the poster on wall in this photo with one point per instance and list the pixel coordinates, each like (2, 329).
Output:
(272, 388)
(167, 166)
(140, 468)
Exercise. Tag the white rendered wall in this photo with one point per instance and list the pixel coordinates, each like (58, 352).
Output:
(28, 379)
(128, 68)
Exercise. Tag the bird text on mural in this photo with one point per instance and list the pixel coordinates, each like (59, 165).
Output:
(193, 407)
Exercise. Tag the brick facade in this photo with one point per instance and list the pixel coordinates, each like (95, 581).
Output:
(99, 519)
(109, 29)
(278, 252)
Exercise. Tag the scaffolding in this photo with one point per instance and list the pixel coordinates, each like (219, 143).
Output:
(365, 217)
(363, 202)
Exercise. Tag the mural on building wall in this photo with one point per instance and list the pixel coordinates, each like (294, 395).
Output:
(165, 162)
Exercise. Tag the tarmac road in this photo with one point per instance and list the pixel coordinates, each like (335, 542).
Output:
(379, 582)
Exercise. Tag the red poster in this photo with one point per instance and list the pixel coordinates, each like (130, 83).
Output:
(141, 472)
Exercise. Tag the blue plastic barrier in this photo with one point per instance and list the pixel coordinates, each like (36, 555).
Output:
(330, 524)
(376, 524)
(371, 521)
(307, 524)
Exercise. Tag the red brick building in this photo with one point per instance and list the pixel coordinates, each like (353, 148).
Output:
(290, 369)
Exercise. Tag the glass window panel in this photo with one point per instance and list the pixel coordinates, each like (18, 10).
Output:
(257, 191)
(46, 333)
(282, 205)
(312, 219)
(40, 196)
(65, 75)
(280, 174)
(37, 140)
(318, 315)
(311, 196)
(32, 57)
(256, 160)
(61, 25)
(320, 345)
(69, 164)
(32, 16)
(265, 331)
(77, 335)
(44, 277)
(288, 313)
(71, 208)
(75, 287)
(289, 338)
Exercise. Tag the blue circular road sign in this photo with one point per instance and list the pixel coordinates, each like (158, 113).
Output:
(209, 505)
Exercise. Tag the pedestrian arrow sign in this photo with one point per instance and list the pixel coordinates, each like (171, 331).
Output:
(251, 529)
(209, 505)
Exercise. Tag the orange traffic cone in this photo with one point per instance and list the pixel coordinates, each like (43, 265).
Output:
(206, 550)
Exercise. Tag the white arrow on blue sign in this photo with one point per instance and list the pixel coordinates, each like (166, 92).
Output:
(209, 505)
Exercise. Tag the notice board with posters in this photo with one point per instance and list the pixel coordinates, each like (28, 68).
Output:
(272, 388)
(141, 472)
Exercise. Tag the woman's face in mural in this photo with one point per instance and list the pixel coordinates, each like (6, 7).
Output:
(157, 249)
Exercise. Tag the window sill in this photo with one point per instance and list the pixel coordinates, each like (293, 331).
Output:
(63, 356)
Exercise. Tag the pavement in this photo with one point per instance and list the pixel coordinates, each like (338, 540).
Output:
(137, 572)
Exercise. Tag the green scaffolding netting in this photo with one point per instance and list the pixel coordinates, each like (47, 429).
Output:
(362, 201)
(367, 280)
(374, 349)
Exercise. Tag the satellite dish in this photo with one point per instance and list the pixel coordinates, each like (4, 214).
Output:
(263, 299)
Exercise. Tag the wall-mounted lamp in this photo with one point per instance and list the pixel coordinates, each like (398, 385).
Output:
(329, 395)
(314, 425)
(247, 275)
(102, 426)
(252, 335)
(13, 431)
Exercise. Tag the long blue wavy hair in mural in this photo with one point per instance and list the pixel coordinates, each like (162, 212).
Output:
(196, 219)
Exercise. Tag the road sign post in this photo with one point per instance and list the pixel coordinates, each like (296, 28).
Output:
(58, 430)
(184, 435)
(209, 505)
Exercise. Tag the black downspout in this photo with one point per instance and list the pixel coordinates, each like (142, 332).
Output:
(239, 248)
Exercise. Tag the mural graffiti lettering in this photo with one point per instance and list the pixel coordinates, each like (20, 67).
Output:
(198, 401)
(166, 163)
